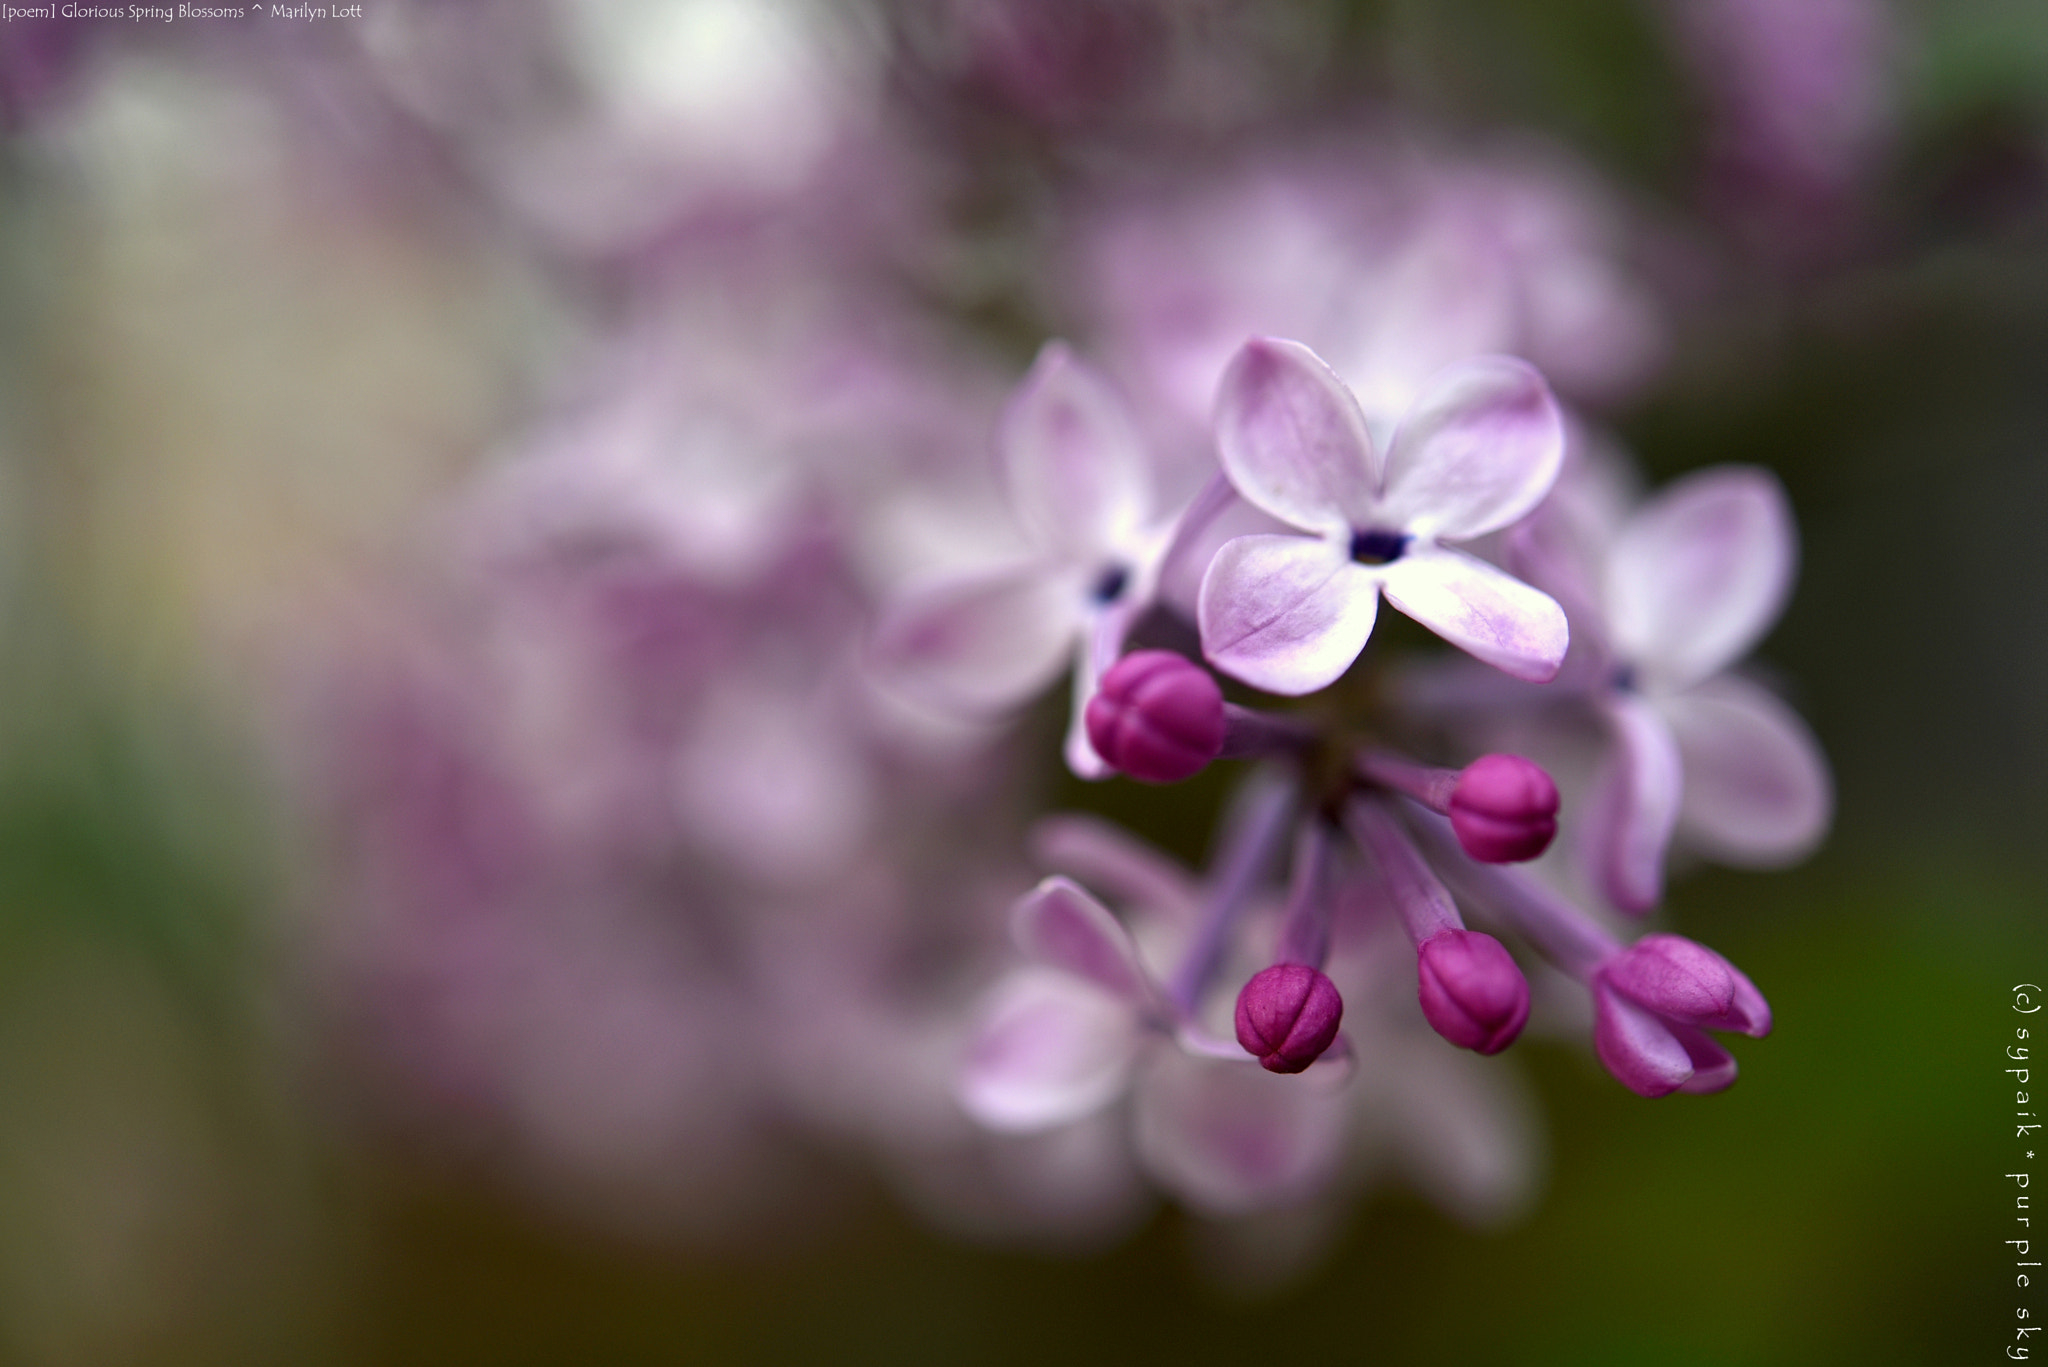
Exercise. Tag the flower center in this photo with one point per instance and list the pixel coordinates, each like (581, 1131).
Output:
(1375, 547)
(1111, 585)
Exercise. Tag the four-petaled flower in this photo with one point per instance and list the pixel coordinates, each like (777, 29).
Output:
(1666, 599)
(1478, 451)
(1088, 1024)
(1081, 487)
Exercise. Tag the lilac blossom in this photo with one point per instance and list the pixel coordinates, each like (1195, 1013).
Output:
(1665, 598)
(1080, 487)
(1088, 1029)
(665, 855)
(1391, 261)
(1481, 447)
(1091, 1022)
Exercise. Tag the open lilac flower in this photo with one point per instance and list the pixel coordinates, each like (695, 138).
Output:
(1059, 1039)
(1087, 1024)
(1079, 484)
(1478, 450)
(1666, 602)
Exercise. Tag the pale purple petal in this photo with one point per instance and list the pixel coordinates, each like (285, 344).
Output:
(1228, 1138)
(984, 644)
(1465, 1129)
(1635, 805)
(1480, 609)
(1285, 613)
(1059, 924)
(1713, 1067)
(1051, 1049)
(1479, 450)
(1757, 790)
(1102, 854)
(1077, 471)
(1292, 438)
(1078, 749)
(1700, 573)
(1637, 1046)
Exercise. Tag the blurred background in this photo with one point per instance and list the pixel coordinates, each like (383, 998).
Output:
(297, 317)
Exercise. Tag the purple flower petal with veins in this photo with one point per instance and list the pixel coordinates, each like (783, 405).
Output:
(1292, 438)
(1285, 613)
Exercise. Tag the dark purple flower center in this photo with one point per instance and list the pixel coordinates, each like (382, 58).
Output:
(1111, 584)
(1375, 547)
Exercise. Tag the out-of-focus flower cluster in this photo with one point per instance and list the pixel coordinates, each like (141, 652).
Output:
(688, 808)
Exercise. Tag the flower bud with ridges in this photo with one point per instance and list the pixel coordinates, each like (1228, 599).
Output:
(1472, 992)
(1157, 717)
(1504, 809)
(1287, 1015)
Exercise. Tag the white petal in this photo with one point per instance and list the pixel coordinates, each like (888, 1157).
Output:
(1077, 472)
(1635, 805)
(1063, 927)
(1480, 609)
(1479, 450)
(1700, 573)
(1051, 1049)
(1292, 438)
(1230, 1137)
(983, 644)
(1285, 613)
(1757, 790)
(1102, 642)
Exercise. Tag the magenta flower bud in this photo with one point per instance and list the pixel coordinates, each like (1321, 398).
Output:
(1157, 716)
(1688, 983)
(1472, 992)
(1504, 809)
(1638, 1046)
(1287, 1016)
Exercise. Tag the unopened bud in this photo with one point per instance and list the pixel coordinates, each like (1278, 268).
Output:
(1688, 983)
(1504, 809)
(1472, 992)
(1156, 716)
(1287, 1016)
(1638, 1046)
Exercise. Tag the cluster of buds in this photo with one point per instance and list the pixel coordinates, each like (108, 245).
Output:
(1350, 508)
